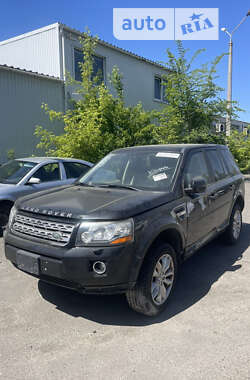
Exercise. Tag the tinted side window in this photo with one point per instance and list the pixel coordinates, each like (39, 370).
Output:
(75, 169)
(48, 173)
(216, 165)
(230, 163)
(196, 167)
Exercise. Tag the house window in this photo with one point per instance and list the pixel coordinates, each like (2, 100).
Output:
(98, 66)
(220, 128)
(159, 89)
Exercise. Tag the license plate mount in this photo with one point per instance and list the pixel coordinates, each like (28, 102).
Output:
(28, 262)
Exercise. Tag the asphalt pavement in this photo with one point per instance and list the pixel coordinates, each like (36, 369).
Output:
(53, 333)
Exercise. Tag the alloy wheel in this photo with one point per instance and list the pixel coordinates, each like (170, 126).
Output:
(162, 279)
(236, 227)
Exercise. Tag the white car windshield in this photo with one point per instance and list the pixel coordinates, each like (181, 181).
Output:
(138, 169)
(13, 171)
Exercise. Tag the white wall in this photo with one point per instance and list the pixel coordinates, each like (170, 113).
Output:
(138, 76)
(42, 51)
(37, 51)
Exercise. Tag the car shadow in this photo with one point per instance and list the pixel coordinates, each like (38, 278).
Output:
(196, 276)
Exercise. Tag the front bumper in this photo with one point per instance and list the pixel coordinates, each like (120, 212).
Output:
(72, 267)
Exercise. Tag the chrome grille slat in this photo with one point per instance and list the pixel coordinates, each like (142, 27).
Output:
(44, 223)
(58, 233)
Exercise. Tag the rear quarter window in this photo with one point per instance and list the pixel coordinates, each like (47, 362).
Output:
(216, 165)
(75, 169)
(229, 162)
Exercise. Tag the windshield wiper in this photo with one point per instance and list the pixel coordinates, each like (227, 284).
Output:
(117, 186)
(84, 184)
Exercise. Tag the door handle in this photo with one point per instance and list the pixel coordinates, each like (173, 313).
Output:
(220, 192)
(213, 196)
(180, 212)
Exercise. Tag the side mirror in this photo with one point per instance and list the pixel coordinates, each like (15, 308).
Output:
(198, 185)
(33, 181)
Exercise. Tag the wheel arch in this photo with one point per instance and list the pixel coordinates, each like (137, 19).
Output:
(5, 207)
(6, 202)
(239, 200)
(171, 236)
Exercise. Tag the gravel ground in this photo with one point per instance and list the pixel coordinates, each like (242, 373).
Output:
(53, 333)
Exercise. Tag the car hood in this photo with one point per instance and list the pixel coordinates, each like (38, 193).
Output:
(93, 203)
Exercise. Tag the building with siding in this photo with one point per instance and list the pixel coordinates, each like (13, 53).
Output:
(33, 69)
(21, 94)
(55, 50)
(238, 125)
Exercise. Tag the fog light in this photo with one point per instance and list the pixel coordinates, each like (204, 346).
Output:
(99, 267)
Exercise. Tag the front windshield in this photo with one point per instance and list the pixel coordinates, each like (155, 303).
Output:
(144, 170)
(14, 171)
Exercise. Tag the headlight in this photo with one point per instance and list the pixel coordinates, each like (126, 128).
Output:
(12, 215)
(107, 233)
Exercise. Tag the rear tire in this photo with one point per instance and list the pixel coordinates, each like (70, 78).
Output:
(232, 233)
(156, 281)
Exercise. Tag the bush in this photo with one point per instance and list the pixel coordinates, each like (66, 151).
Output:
(100, 122)
(11, 154)
(239, 145)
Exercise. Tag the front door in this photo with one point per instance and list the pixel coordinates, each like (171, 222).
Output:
(49, 176)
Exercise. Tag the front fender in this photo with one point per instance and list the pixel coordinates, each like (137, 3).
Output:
(147, 231)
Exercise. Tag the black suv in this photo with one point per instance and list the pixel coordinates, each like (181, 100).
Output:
(127, 224)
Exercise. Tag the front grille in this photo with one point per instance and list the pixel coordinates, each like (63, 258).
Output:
(56, 232)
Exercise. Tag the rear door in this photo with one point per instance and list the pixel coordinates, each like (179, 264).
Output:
(199, 211)
(222, 188)
(74, 170)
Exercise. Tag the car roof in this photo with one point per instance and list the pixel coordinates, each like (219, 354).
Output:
(181, 148)
(39, 160)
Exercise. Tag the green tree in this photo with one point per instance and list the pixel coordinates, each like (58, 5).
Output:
(99, 122)
(193, 100)
(11, 154)
(239, 144)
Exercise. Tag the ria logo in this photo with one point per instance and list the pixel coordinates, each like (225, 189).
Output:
(196, 24)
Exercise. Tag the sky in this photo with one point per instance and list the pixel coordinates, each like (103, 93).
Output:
(17, 17)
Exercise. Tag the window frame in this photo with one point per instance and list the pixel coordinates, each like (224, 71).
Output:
(94, 55)
(161, 100)
(188, 159)
(45, 164)
(210, 166)
(74, 162)
(226, 164)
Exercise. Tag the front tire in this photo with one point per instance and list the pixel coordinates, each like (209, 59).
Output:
(4, 215)
(232, 233)
(156, 281)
